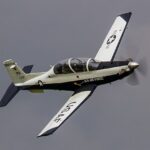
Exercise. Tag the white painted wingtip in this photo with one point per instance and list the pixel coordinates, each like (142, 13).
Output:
(46, 133)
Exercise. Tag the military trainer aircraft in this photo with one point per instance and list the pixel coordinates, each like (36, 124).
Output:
(80, 75)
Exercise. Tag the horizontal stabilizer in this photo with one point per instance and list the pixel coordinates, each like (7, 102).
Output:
(27, 69)
(9, 95)
(12, 89)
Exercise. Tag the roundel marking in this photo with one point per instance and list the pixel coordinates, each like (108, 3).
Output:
(111, 39)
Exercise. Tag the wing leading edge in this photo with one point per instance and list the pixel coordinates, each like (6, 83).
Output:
(78, 98)
(111, 43)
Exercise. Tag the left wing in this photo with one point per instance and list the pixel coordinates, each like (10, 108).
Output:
(80, 96)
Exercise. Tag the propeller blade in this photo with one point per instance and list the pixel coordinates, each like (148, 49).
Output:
(143, 68)
(133, 79)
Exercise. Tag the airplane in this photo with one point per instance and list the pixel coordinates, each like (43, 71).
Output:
(80, 75)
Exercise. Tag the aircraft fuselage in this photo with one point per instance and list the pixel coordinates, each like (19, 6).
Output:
(106, 72)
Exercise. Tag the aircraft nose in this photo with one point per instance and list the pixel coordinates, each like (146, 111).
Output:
(133, 65)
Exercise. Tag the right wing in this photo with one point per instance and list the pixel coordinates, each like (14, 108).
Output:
(67, 110)
(111, 43)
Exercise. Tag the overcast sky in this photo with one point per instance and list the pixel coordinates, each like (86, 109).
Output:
(43, 32)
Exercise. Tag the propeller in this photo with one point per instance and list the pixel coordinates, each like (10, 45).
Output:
(133, 79)
(143, 68)
(133, 51)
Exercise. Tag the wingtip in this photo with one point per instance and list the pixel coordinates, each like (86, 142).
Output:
(46, 133)
(126, 16)
(38, 136)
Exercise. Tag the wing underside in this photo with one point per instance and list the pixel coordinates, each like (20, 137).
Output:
(78, 98)
(111, 43)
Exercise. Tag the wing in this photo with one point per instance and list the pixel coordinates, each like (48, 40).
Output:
(80, 96)
(111, 43)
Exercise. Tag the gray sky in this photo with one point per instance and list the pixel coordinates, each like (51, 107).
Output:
(43, 32)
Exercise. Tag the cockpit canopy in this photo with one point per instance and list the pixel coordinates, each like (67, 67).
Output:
(74, 65)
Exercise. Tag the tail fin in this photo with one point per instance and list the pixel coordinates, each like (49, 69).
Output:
(15, 72)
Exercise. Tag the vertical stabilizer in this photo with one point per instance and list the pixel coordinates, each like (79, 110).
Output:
(15, 72)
